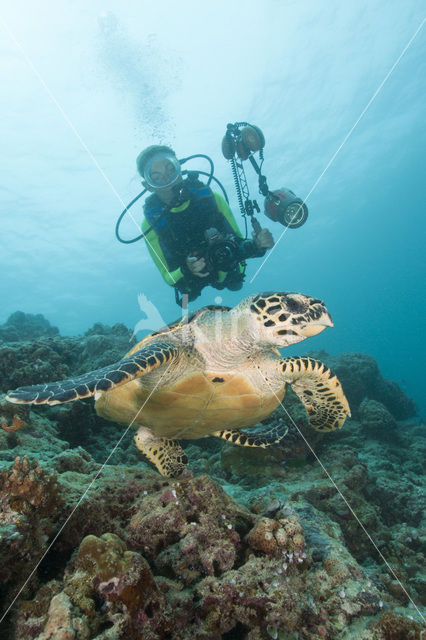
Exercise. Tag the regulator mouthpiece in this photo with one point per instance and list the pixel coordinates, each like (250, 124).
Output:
(285, 207)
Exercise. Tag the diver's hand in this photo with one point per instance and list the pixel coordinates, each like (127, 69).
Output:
(196, 266)
(263, 239)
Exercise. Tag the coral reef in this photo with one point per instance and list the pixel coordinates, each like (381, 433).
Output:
(188, 561)
(23, 362)
(30, 503)
(375, 418)
(263, 546)
(47, 356)
(277, 538)
(247, 574)
(26, 326)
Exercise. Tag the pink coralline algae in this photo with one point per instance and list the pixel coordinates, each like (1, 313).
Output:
(190, 528)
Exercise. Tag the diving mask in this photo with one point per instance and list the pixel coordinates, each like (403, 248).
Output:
(162, 171)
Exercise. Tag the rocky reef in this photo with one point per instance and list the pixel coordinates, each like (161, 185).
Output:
(26, 326)
(321, 537)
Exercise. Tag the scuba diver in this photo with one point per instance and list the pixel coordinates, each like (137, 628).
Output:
(190, 231)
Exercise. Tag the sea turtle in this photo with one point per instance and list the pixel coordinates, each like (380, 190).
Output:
(210, 374)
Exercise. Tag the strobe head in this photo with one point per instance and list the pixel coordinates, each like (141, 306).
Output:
(242, 139)
(285, 207)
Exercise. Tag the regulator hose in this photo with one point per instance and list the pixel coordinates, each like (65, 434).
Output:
(184, 173)
(123, 213)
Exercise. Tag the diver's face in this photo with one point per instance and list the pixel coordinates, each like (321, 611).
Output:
(162, 171)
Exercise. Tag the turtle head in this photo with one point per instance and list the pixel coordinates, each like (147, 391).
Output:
(282, 319)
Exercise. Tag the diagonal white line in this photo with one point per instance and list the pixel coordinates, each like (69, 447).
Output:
(345, 139)
(344, 499)
(76, 133)
(81, 498)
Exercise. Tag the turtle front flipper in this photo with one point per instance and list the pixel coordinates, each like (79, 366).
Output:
(167, 455)
(274, 436)
(319, 390)
(96, 382)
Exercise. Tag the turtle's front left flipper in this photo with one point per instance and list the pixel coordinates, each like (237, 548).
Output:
(319, 390)
(96, 382)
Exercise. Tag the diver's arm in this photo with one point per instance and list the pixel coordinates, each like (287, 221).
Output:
(154, 247)
(181, 278)
(249, 248)
(229, 224)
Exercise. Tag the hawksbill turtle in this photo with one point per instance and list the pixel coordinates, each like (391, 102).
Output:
(211, 374)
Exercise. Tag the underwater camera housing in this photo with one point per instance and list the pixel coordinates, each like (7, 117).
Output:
(285, 207)
(221, 252)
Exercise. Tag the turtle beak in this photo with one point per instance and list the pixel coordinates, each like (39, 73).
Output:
(315, 327)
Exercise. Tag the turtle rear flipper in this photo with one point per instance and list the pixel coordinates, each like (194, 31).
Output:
(234, 436)
(96, 382)
(319, 390)
(167, 455)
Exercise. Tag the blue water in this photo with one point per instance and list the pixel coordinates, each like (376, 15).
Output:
(85, 88)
